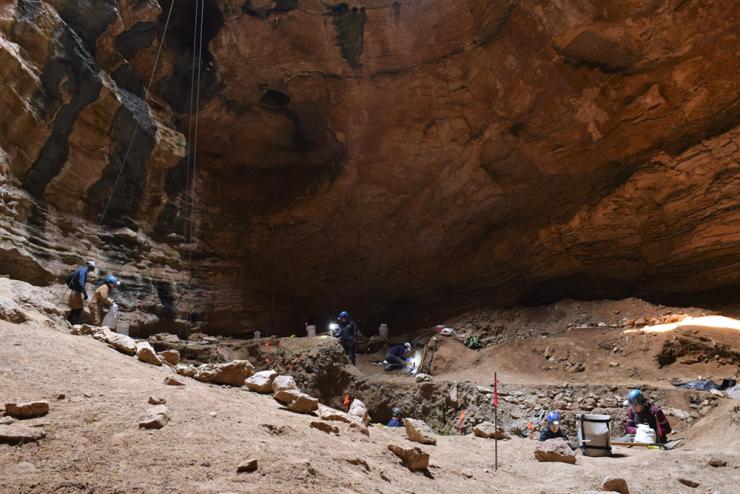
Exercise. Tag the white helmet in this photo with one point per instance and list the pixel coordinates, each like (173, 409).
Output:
(91, 264)
(408, 346)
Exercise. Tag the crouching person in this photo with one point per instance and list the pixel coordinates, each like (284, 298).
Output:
(643, 412)
(101, 299)
(553, 430)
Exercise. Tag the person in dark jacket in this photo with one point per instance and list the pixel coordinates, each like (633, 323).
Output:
(397, 356)
(643, 412)
(553, 429)
(78, 292)
(347, 334)
(397, 420)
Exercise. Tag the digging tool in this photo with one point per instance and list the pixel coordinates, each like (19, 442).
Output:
(434, 352)
(667, 446)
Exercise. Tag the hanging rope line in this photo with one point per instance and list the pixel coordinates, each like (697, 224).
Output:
(136, 127)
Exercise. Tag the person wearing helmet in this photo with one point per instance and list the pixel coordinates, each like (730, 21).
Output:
(397, 420)
(397, 357)
(78, 293)
(347, 334)
(101, 298)
(643, 412)
(552, 430)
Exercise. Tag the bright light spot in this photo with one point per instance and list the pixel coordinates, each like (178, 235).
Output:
(333, 326)
(416, 359)
(721, 322)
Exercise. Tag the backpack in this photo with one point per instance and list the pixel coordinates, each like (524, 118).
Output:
(472, 342)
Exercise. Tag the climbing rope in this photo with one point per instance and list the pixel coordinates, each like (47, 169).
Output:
(136, 127)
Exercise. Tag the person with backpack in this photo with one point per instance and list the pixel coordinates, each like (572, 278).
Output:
(78, 294)
(101, 298)
(643, 412)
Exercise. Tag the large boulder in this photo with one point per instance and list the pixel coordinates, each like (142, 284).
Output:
(328, 413)
(418, 431)
(261, 381)
(19, 434)
(358, 411)
(284, 389)
(172, 357)
(303, 403)
(614, 484)
(488, 430)
(232, 373)
(145, 353)
(155, 418)
(121, 342)
(555, 450)
(29, 410)
(413, 459)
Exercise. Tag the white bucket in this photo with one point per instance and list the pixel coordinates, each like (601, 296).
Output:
(310, 330)
(593, 434)
(257, 335)
(383, 331)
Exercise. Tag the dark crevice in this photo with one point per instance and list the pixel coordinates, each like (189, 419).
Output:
(126, 77)
(124, 200)
(140, 36)
(175, 89)
(349, 25)
(277, 7)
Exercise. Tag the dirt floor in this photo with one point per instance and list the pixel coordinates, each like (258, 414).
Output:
(97, 396)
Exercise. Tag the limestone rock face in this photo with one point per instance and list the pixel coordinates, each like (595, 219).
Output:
(232, 373)
(547, 149)
(488, 430)
(358, 411)
(145, 353)
(121, 342)
(303, 403)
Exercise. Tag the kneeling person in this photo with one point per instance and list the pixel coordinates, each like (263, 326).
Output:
(643, 412)
(553, 429)
(397, 356)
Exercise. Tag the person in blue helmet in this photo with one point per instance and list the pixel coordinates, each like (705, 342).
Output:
(397, 419)
(552, 430)
(101, 298)
(397, 357)
(643, 412)
(347, 334)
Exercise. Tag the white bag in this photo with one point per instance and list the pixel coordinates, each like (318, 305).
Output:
(110, 317)
(645, 434)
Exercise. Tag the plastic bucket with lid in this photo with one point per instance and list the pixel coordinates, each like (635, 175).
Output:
(593, 434)
(383, 331)
(310, 330)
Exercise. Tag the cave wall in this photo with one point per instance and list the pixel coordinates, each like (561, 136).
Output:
(402, 159)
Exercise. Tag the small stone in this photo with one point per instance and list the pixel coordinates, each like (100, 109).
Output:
(359, 462)
(689, 483)
(716, 461)
(554, 450)
(172, 357)
(6, 420)
(421, 377)
(29, 410)
(248, 466)
(19, 434)
(418, 431)
(613, 484)
(61, 396)
(145, 353)
(157, 401)
(323, 426)
(613, 364)
(173, 381)
(413, 459)
(261, 382)
(212, 414)
(359, 427)
(155, 418)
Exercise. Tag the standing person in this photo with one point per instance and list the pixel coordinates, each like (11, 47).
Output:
(101, 298)
(642, 412)
(78, 294)
(348, 335)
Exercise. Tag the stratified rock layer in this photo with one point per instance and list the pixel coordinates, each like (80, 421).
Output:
(404, 153)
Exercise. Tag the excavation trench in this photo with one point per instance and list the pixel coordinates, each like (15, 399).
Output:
(321, 369)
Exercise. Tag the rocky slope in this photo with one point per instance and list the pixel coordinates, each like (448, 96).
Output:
(394, 157)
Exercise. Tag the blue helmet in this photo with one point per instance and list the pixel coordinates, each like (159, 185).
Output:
(112, 280)
(635, 396)
(343, 315)
(553, 417)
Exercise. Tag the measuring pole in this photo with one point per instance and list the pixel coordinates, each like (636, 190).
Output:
(495, 421)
